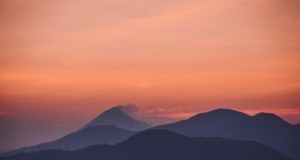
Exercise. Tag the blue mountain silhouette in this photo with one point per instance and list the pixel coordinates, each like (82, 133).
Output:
(163, 145)
(265, 128)
(119, 118)
(107, 128)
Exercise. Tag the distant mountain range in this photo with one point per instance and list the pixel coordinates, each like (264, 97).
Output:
(163, 145)
(116, 127)
(264, 128)
(86, 137)
(110, 127)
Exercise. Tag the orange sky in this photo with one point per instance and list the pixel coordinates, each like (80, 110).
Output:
(64, 61)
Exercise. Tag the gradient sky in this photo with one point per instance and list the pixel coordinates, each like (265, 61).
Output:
(62, 62)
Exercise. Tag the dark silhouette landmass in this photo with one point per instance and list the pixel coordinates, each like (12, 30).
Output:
(297, 126)
(163, 145)
(119, 118)
(115, 125)
(265, 128)
(86, 137)
(110, 127)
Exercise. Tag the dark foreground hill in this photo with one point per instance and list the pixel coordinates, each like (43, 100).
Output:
(163, 145)
(264, 128)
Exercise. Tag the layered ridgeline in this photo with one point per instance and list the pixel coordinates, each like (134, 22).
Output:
(163, 145)
(110, 127)
(264, 128)
(115, 125)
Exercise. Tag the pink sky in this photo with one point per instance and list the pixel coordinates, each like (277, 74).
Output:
(62, 62)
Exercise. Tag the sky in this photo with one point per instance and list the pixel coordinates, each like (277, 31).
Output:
(62, 62)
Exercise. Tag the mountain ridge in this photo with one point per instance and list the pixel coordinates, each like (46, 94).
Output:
(112, 126)
(163, 145)
(92, 135)
(266, 128)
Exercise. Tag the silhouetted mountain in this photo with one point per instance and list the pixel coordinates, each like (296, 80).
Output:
(101, 130)
(164, 145)
(86, 137)
(117, 117)
(264, 128)
(297, 126)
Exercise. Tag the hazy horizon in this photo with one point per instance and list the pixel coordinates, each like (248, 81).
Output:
(134, 111)
(62, 62)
